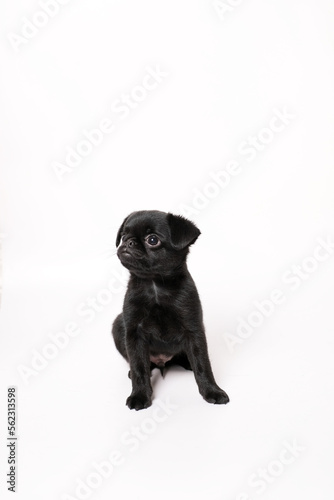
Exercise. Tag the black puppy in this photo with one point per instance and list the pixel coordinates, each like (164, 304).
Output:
(161, 323)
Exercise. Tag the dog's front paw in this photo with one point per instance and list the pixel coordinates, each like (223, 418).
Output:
(216, 396)
(138, 401)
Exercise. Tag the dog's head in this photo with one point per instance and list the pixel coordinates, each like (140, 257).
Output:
(155, 243)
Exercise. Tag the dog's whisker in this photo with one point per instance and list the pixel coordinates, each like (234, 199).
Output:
(106, 254)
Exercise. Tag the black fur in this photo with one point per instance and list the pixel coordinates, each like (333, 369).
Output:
(161, 323)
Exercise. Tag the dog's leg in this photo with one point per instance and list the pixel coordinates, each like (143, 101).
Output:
(118, 332)
(140, 369)
(151, 368)
(197, 353)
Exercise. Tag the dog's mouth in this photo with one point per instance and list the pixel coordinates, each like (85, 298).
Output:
(124, 254)
(124, 250)
(138, 264)
(134, 263)
(126, 258)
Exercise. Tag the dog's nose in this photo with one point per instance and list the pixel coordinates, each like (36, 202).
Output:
(131, 243)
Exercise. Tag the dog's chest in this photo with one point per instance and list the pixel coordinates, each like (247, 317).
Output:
(155, 293)
(161, 323)
(158, 295)
(160, 317)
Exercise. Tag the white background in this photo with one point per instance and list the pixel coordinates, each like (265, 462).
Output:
(226, 76)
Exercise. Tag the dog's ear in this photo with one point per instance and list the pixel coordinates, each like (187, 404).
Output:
(183, 232)
(119, 234)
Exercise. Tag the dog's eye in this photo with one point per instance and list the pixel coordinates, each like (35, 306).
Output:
(152, 240)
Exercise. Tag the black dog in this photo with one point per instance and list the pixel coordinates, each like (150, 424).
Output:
(161, 323)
